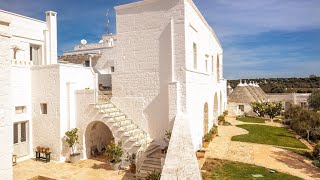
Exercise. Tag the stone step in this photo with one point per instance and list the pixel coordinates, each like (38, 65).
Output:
(156, 155)
(149, 169)
(151, 166)
(154, 162)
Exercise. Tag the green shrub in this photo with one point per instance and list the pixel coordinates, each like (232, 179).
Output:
(225, 113)
(316, 162)
(153, 176)
(226, 123)
(214, 130)
(207, 137)
(221, 118)
(114, 151)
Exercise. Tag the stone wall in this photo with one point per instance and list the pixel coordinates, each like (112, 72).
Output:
(201, 82)
(181, 161)
(5, 109)
(56, 85)
(46, 127)
(143, 65)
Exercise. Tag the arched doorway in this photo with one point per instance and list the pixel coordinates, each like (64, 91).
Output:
(221, 103)
(215, 106)
(97, 137)
(205, 119)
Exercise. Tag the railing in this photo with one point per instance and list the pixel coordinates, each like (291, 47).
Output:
(140, 155)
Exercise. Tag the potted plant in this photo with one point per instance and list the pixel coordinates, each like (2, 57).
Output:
(225, 113)
(206, 140)
(132, 159)
(115, 152)
(47, 150)
(221, 119)
(167, 141)
(200, 153)
(72, 140)
(153, 176)
(214, 131)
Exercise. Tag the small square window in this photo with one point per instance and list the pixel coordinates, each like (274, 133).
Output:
(21, 109)
(43, 108)
(241, 107)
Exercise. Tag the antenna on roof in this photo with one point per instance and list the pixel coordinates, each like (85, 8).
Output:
(83, 42)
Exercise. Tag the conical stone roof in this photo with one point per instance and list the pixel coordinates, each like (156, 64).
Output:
(241, 94)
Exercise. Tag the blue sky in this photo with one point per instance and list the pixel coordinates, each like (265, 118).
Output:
(274, 38)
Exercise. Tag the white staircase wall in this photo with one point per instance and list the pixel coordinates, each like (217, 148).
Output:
(181, 161)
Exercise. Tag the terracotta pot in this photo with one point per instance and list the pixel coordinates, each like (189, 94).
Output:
(205, 144)
(133, 168)
(214, 136)
(200, 154)
(47, 150)
(38, 149)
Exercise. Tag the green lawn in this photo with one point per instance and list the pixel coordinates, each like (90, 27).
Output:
(223, 169)
(261, 134)
(251, 119)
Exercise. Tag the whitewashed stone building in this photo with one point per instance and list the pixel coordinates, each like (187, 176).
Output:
(165, 69)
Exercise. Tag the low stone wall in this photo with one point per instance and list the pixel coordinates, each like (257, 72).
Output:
(181, 161)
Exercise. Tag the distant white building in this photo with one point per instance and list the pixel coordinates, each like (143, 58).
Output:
(164, 67)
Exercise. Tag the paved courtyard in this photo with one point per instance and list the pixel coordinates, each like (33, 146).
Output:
(84, 170)
(262, 155)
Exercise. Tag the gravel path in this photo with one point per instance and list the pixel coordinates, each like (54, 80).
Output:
(262, 155)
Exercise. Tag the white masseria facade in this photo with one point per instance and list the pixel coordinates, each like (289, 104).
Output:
(168, 75)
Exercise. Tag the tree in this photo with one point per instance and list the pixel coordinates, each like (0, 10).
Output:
(278, 89)
(273, 109)
(314, 100)
(259, 108)
(306, 123)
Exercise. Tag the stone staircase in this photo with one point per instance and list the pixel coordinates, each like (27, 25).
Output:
(152, 161)
(125, 130)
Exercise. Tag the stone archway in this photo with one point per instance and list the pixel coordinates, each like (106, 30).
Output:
(97, 137)
(221, 104)
(205, 119)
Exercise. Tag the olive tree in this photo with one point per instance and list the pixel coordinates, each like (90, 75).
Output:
(314, 100)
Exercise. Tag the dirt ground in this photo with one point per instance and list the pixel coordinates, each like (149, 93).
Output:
(94, 169)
